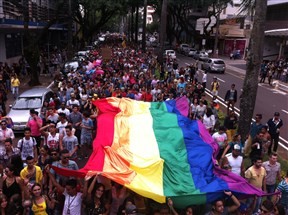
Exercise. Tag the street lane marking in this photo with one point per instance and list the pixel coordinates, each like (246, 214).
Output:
(50, 84)
(220, 80)
(237, 112)
(279, 92)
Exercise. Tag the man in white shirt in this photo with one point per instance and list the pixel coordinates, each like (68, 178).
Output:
(72, 101)
(204, 79)
(155, 92)
(220, 137)
(63, 109)
(5, 133)
(73, 198)
(236, 160)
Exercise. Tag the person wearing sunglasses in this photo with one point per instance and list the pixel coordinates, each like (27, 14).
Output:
(66, 163)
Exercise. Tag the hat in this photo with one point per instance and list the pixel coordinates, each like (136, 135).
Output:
(215, 100)
(131, 209)
(276, 114)
(236, 147)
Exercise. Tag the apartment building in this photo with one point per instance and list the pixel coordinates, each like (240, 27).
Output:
(12, 25)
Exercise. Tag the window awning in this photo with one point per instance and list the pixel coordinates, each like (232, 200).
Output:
(277, 32)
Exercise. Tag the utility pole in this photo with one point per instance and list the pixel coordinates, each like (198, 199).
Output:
(144, 27)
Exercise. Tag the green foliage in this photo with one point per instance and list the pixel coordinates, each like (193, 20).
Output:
(94, 16)
(151, 28)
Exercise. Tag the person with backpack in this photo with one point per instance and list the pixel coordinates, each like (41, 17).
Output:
(27, 145)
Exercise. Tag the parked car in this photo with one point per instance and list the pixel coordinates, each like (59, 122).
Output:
(71, 65)
(82, 53)
(30, 99)
(214, 65)
(183, 48)
(199, 54)
(191, 52)
(171, 53)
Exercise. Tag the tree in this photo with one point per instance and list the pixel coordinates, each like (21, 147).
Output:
(162, 34)
(254, 58)
(31, 41)
(92, 16)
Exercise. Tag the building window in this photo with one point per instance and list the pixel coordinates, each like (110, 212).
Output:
(13, 45)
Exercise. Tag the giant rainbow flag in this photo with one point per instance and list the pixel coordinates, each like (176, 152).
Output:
(152, 149)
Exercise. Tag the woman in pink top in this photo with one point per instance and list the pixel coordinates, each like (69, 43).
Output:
(35, 123)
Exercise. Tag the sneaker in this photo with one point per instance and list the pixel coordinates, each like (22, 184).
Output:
(86, 156)
(80, 158)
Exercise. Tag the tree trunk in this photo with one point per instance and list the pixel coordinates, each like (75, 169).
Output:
(254, 58)
(144, 27)
(31, 49)
(215, 49)
(162, 30)
(136, 23)
(70, 33)
(132, 24)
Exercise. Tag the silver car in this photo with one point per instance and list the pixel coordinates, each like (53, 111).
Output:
(30, 99)
(214, 65)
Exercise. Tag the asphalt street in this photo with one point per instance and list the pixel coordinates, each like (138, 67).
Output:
(269, 99)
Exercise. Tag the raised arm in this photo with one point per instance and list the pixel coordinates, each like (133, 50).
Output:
(53, 180)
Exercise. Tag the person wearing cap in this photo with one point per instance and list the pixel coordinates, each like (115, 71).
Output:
(274, 125)
(235, 141)
(215, 86)
(231, 98)
(215, 104)
(236, 160)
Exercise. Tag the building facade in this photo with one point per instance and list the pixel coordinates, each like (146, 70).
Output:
(12, 14)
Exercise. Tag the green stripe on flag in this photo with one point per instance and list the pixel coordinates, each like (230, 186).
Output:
(177, 178)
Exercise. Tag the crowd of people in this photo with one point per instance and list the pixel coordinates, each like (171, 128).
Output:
(61, 135)
(274, 70)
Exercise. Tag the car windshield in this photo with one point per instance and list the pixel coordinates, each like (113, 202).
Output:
(27, 103)
(219, 62)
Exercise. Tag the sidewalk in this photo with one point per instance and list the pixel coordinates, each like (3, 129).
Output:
(44, 79)
(232, 65)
